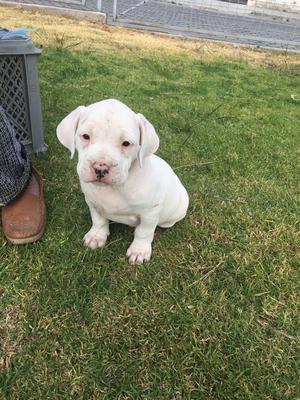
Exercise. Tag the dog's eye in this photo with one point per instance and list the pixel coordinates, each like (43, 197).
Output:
(86, 136)
(126, 143)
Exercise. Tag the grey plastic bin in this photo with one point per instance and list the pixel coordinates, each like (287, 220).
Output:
(20, 93)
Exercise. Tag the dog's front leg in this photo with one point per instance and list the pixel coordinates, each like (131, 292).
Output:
(97, 235)
(140, 249)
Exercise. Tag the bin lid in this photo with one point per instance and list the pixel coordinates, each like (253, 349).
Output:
(16, 42)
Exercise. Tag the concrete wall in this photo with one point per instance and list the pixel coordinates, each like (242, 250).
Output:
(280, 5)
(216, 5)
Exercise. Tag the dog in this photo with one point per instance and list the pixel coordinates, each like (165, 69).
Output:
(121, 178)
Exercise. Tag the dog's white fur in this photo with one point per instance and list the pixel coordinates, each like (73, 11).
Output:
(138, 189)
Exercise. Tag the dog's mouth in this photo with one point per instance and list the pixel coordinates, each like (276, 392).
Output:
(98, 179)
(102, 180)
(98, 176)
(106, 180)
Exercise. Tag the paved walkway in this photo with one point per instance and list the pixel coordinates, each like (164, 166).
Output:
(161, 16)
(155, 15)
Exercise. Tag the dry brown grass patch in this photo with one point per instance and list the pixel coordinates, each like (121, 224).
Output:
(10, 334)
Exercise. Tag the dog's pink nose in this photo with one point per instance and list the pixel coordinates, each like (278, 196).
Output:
(101, 169)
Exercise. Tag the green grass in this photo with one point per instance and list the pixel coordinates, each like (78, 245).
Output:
(215, 313)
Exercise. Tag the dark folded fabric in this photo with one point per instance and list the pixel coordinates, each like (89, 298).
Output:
(15, 167)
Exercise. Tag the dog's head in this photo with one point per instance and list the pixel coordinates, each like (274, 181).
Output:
(109, 138)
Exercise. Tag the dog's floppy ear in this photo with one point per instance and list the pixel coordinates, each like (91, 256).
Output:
(149, 140)
(67, 128)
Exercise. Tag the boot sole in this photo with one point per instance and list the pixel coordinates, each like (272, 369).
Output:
(27, 240)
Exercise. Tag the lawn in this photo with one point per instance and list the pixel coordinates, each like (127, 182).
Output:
(215, 314)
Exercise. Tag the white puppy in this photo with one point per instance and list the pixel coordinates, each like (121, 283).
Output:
(120, 177)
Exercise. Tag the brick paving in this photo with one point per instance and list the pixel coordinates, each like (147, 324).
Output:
(192, 22)
(160, 16)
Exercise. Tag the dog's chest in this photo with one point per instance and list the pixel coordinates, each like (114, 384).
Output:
(114, 206)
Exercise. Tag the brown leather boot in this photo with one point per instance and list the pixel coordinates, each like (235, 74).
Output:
(24, 219)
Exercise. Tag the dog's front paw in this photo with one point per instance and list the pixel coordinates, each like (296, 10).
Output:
(95, 238)
(137, 253)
